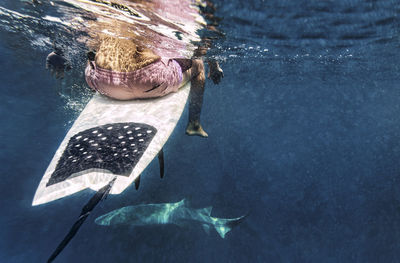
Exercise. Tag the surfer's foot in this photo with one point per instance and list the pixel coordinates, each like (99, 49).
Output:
(194, 128)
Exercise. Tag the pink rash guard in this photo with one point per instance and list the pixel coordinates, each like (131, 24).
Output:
(155, 80)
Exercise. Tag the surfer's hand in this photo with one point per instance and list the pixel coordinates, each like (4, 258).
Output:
(215, 72)
(57, 64)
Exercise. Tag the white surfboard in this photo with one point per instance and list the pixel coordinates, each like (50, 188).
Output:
(110, 139)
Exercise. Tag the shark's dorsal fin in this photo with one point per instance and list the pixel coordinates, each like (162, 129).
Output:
(183, 202)
(206, 210)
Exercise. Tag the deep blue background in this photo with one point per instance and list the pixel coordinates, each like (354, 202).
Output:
(304, 134)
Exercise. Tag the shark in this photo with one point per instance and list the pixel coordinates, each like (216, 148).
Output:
(179, 213)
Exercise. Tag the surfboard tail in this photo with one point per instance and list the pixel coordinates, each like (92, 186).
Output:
(223, 226)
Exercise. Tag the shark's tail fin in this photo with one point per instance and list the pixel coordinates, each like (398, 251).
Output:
(223, 226)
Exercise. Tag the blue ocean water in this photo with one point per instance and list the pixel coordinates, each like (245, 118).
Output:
(304, 135)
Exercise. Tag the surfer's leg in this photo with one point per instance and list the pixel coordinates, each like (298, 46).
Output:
(197, 78)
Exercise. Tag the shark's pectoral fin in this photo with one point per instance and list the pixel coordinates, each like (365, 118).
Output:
(137, 182)
(206, 228)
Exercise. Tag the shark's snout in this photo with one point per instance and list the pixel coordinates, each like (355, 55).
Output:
(104, 220)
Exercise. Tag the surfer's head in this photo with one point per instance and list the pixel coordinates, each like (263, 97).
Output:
(123, 55)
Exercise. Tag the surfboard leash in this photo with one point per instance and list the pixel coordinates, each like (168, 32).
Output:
(100, 195)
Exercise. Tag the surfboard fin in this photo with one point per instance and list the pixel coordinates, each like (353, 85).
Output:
(137, 182)
(161, 162)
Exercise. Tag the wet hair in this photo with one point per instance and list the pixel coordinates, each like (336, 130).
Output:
(123, 55)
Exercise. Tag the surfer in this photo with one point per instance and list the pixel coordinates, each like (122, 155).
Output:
(125, 67)
(123, 70)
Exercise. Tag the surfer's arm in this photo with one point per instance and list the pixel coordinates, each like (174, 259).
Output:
(57, 63)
